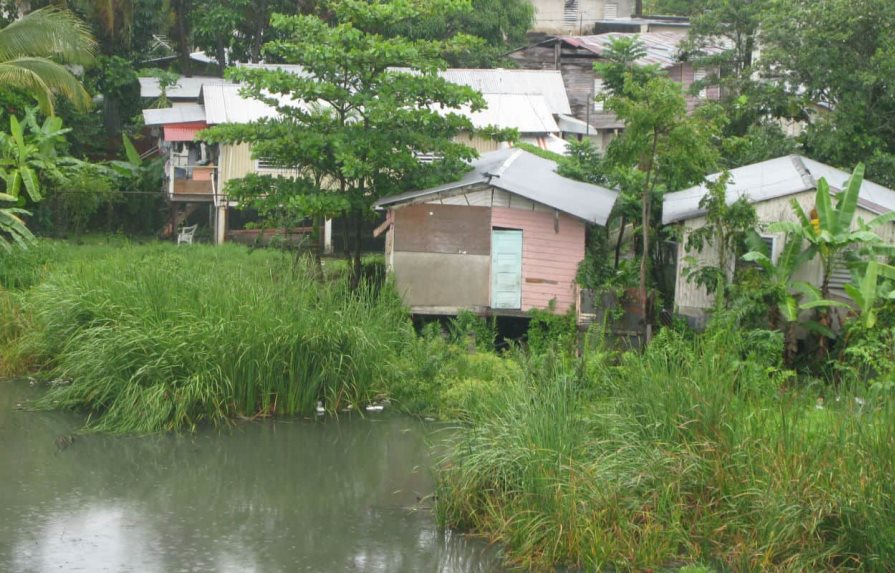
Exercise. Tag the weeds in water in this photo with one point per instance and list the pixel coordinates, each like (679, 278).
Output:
(158, 338)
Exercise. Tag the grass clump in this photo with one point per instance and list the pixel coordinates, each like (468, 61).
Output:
(158, 338)
(696, 451)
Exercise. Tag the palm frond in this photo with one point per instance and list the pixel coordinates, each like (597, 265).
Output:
(44, 79)
(48, 33)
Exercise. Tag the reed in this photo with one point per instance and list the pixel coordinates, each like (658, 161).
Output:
(155, 338)
(697, 451)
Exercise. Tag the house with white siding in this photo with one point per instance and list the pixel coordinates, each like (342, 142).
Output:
(770, 186)
(577, 16)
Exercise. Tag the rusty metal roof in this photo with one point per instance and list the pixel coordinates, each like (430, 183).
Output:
(662, 48)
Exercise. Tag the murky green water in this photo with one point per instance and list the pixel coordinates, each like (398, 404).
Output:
(269, 497)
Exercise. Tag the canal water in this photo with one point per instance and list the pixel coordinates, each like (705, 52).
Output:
(286, 496)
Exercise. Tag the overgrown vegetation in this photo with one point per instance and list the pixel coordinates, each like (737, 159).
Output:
(154, 339)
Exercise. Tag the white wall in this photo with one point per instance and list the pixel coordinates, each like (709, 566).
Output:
(552, 16)
(692, 300)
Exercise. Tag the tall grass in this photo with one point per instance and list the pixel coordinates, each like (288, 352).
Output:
(693, 452)
(156, 338)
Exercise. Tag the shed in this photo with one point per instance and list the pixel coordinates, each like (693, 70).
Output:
(504, 239)
(770, 186)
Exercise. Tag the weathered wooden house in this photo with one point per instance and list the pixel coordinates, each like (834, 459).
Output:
(575, 56)
(770, 186)
(506, 238)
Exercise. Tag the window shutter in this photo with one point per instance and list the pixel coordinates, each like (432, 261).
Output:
(610, 11)
(571, 13)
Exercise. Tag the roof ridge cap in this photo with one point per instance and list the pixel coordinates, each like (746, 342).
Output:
(803, 171)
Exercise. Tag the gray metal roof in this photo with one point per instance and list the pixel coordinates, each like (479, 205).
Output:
(183, 113)
(527, 175)
(224, 104)
(186, 88)
(546, 83)
(772, 179)
(526, 113)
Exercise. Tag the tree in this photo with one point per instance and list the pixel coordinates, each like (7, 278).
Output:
(350, 123)
(661, 148)
(33, 49)
(727, 224)
(846, 92)
(12, 228)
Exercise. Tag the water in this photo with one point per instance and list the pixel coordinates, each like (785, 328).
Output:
(290, 496)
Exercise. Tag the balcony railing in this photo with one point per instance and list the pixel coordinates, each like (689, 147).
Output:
(193, 180)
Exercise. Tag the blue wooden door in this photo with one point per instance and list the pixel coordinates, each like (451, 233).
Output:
(506, 269)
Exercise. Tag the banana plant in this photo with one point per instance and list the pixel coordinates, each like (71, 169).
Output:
(26, 154)
(790, 298)
(12, 228)
(869, 289)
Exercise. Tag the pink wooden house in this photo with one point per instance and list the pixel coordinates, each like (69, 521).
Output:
(505, 239)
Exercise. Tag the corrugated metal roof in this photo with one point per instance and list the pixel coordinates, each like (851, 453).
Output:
(662, 48)
(527, 175)
(184, 113)
(183, 131)
(546, 83)
(224, 104)
(186, 88)
(526, 113)
(771, 179)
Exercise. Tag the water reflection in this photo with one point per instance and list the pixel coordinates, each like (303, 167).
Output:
(286, 496)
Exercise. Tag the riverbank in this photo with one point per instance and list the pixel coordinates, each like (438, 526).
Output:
(702, 451)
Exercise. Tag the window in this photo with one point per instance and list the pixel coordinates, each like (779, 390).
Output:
(699, 75)
(571, 12)
(770, 249)
(598, 90)
(610, 11)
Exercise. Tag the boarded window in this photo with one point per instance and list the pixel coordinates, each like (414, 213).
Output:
(598, 91)
(269, 165)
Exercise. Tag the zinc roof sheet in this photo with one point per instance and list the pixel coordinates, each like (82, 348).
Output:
(185, 113)
(526, 113)
(771, 179)
(186, 87)
(527, 175)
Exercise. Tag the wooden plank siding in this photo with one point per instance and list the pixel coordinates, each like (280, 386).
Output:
(447, 229)
(550, 256)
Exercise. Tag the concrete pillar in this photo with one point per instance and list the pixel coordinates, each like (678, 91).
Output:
(220, 224)
(328, 237)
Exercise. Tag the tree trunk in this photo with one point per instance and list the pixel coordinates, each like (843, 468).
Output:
(644, 226)
(181, 13)
(618, 243)
(357, 268)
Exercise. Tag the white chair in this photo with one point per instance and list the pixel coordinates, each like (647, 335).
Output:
(185, 234)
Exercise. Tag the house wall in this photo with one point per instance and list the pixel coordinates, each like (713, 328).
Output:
(441, 256)
(575, 16)
(440, 251)
(552, 247)
(692, 300)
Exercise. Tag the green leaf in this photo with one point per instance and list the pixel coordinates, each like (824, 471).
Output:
(849, 201)
(29, 177)
(133, 156)
(824, 207)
